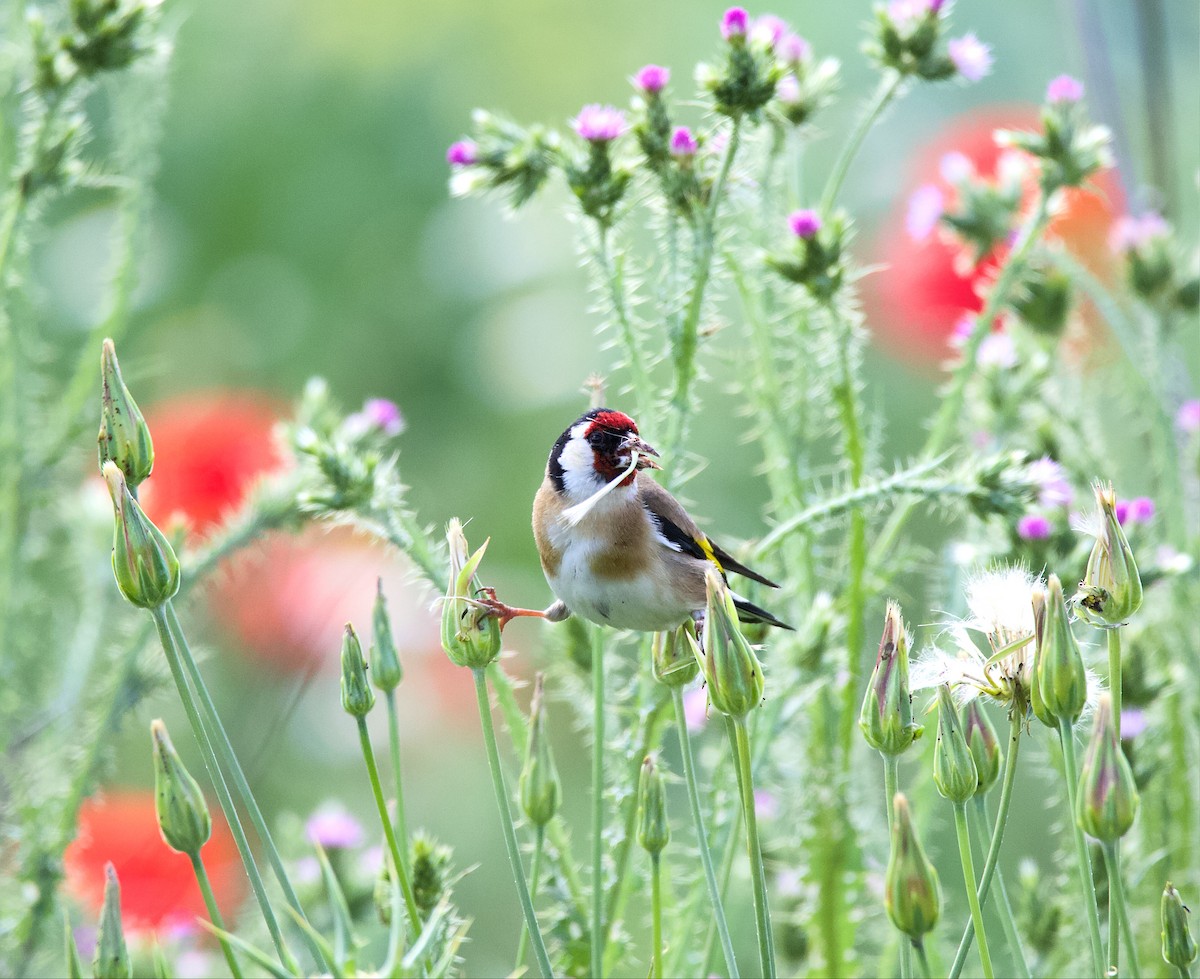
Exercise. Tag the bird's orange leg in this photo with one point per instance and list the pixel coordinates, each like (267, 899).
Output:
(505, 613)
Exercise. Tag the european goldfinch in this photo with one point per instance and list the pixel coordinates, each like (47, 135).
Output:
(617, 549)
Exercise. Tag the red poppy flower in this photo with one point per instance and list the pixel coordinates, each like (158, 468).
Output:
(209, 448)
(158, 887)
(917, 300)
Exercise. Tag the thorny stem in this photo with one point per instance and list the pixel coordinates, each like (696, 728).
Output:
(710, 877)
(214, 913)
(762, 917)
(535, 876)
(978, 816)
(506, 823)
(401, 825)
(889, 85)
(891, 781)
(968, 868)
(642, 390)
(656, 963)
(1087, 887)
(598, 929)
(1118, 921)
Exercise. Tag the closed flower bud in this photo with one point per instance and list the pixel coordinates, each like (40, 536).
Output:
(1178, 946)
(1107, 799)
(357, 696)
(982, 742)
(385, 662)
(731, 670)
(886, 718)
(538, 787)
(470, 636)
(431, 876)
(124, 437)
(183, 817)
(1111, 590)
(111, 960)
(674, 664)
(143, 561)
(911, 891)
(1059, 683)
(654, 832)
(953, 767)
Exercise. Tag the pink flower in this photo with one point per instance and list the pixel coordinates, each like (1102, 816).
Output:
(734, 23)
(462, 153)
(793, 49)
(1054, 489)
(769, 30)
(787, 89)
(1130, 233)
(695, 708)
(1187, 419)
(804, 223)
(971, 57)
(652, 79)
(1064, 88)
(905, 13)
(956, 167)
(925, 209)
(683, 143)
(377, 413)
(766, 806)
(1033, 526)
(334, 829)
(1140, 510)
(997, 350)
(599, 123)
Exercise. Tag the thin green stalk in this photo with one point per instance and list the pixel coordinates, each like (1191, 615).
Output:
(891, 784)
(410, 900)
(1122, 924)
(710, 877)
(214, 913)
(762, 916)
(1114, 676)
(535, 877)
(978, 816)
(506, 822)
(968, 867)
(1016, 726)
(174, 661)
(401, 824)
(922, 960)
(222, 744)
(598, 929)
(728, 851)
(656, 963)
(1087, 887)
(1112, 861)
(889, 86)
(643, 390)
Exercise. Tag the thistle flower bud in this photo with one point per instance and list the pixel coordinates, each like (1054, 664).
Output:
(143, 561)
(654, 831)
(1111, 590)
(470, 636)
(886, 718)
(357, 696)
(1107, 799)
(386, 672)
(954, 771)
(538, 787)
(674, 664)
(124, 437)
(111, 960)
(183, 817)
(1058, 686)
(815, 260)
(731, 670)
(911, 891)
(1178, 946)
(430, 871)
(983, 744)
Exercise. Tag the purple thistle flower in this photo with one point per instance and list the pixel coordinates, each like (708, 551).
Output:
(997, 350)
(384, 415)
(787, 89)
(1133, 723)
(1054, 489)
(1122, 511)
(793, 49)
(599, 123)
(734, 23)
(904, 14)
(1130, 233)
(962, 331)
(462, 153)
(1033, 526)
(769, 30)
(683, 143)
(1141, 510)
(1187, 419)
(766, 805)
(334, 829)
(956, 167)
(804, 223)
(652, 79)
(971, 56)
(925, 209)
(935, 6)
(1064, 88)
(695, 708)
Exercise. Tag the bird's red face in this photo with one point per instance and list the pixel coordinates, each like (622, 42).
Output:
(596, 449)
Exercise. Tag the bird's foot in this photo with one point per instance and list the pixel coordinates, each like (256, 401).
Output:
(491, 605)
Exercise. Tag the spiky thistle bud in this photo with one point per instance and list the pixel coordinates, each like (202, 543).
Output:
(357, 696)
(143, 560)
(731, 670)
(674, 664)
(431, 877)
(1111, 590)
(386, 672)
(886, 718)
(539, 788)
(1058, 687)
(470, 636)
(911, 891)
(124, 436)
(1178, 946)
(1107, 800)
(983, 743)
(111, 960)
(953, 767)
(183, 817)
(654, 831)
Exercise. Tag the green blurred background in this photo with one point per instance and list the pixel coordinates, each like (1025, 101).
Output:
(303, 226)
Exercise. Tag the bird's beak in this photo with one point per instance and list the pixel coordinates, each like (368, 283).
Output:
(647, 454)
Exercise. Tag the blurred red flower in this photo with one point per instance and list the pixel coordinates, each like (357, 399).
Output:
(158, 888)
(209, 448)
(915, 302)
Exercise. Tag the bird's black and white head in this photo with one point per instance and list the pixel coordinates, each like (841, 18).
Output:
(595, 450)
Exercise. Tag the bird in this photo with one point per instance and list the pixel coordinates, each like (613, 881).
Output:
(617, 548)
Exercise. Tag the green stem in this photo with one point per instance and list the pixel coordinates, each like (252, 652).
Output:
(642, 389)
(728, 851)
(1183, 971)
(535, 876)
(1118, 922)
(598, 930)
(1112, 851)
(710, 877)
(401, 824)
(656, 963)
(214, 913)
(922, 960)
(889, 86)
(506, 822)
(968, 867)
(410, 899)
(891, 783)
(1114, 676)
(1087, 887)
(978, 816)
(762, 917)
(174, 661)
(1016, 723)
(223, 746)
